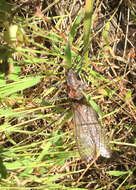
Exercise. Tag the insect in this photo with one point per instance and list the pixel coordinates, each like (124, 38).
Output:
(90, 136)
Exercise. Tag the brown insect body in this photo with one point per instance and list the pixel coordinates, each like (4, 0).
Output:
(74, 86)
(90, 136)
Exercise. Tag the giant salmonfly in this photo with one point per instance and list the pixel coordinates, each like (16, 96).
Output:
(90, 136)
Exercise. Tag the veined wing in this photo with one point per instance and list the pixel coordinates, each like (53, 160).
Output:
(90, 137)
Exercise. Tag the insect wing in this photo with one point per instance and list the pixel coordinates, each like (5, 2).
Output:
(84, 138)
(90, 137)
(104, 145)
(99, 134)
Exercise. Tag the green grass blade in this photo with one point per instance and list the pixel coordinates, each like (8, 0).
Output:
(87, 25)
(11, 88)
